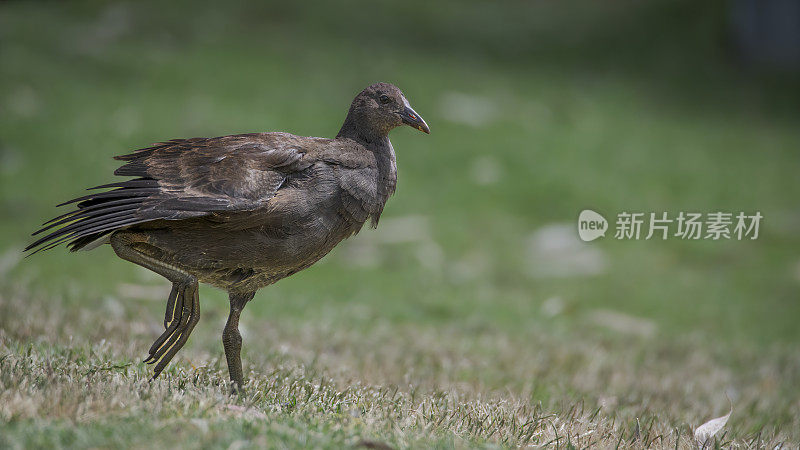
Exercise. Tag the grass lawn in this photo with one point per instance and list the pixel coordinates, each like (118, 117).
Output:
(472, 316)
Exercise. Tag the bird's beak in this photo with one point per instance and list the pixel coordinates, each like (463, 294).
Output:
(411, 118)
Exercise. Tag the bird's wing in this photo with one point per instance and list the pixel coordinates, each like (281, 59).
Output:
(180, 179)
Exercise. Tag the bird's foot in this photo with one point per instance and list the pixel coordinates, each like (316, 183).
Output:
(183, 313)
(237, 389)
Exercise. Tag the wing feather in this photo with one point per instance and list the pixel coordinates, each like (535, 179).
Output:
(180, 179)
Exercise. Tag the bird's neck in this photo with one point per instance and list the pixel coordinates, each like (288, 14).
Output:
(378, 143)
(368, 136)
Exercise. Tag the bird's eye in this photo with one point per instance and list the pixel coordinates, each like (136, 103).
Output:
(384, 99)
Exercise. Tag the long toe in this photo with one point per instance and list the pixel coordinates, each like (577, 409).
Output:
(172, 319)
(173, 309)
(178, 320)
(178, 338)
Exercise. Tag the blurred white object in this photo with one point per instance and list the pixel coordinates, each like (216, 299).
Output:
(556, 251)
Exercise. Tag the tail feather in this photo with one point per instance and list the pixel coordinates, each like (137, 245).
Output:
(86, 208)
(97, 215)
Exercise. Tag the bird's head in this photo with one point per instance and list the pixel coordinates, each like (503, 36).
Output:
(381, 107)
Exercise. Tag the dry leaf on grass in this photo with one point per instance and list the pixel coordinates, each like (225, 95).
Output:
(705, 432)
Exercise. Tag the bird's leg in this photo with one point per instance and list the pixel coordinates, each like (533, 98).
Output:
(232, 340)
(183, 303)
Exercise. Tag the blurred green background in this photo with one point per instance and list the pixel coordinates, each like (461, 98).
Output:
(538, 110)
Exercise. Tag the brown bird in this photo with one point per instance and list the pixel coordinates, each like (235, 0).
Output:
(239, 212)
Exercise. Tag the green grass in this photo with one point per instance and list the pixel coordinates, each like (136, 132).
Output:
(432, 330)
